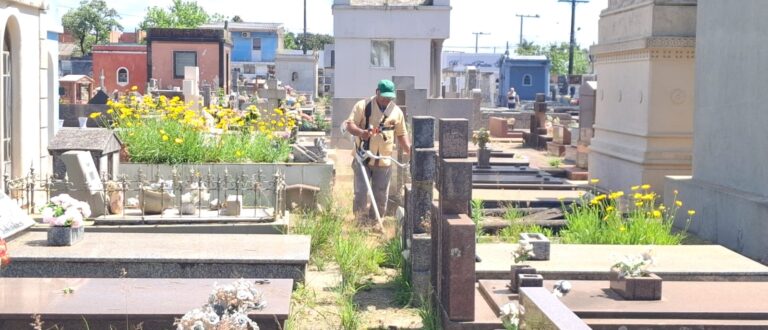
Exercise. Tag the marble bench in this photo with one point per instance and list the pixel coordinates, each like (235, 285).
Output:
(143, 255)
(107, 303)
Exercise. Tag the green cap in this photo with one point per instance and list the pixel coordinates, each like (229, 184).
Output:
(387, 88)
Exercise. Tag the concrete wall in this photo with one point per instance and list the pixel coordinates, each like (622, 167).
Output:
(728, 189)
(207, 60)
(411, 28)
(111, 58)
(34, 76)
(305, 67)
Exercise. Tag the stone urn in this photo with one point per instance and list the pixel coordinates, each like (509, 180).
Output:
(636, 287)
(483, 157)
(516, 271)
(65, 236)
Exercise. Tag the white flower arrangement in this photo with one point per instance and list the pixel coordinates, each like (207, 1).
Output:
(227, 308)
(510, 315)
(523, 252)
(634, 266)
(65, 211)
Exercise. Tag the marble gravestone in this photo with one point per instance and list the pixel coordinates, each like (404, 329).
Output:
(85, 182)
(12, 218)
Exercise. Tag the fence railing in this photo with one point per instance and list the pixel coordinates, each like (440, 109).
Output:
(184, 195)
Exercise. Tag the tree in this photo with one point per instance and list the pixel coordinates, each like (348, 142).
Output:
(237, 19)
(289, 41)
(313, 41)
(181, 14)
(90, 23)
(558, 56)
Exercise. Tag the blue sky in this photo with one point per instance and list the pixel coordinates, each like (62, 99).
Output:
(496, 17)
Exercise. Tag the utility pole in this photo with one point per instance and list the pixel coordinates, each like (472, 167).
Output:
(521, 25)
(573, 32)
(304, 39)
(477, 35)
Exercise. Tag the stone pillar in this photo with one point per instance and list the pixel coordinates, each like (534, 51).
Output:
(452, 244)
(587, 94)
(191, 88)
(644, 108)
(423, 169)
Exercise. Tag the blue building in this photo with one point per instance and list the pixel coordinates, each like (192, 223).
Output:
(254, 46)
(527, 74)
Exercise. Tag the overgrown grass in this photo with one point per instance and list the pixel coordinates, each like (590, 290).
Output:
(356, 257)
(477, 215)
(393, 252)
(642, 221)
(324, 228)
(348, 315)
(428, 313)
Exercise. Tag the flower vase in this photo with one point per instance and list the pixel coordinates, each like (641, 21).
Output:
(515, 271)
(483, 157)
(83, 121)
(65, 236)
(636, 288)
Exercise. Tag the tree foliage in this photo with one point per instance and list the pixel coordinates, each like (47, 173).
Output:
(312, 42)
(558, 56)
(181, 14)
(90, 23)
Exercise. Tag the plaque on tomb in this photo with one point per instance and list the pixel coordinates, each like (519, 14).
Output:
(12, 218)
(454, 137)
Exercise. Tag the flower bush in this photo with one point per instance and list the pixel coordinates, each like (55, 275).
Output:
(618, 219)
(227, 309)
(634, 266)
(481, 138)
(523, 252)
(168, 131)
(65, 211)
(510, 314)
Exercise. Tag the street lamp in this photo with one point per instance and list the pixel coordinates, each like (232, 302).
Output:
(573, 34)
(521, 25)
(477, 35)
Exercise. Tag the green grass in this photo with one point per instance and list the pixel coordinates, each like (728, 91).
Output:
(477, 215)
(350, 318)
(428, 314)
(356, 257)
(324, 227)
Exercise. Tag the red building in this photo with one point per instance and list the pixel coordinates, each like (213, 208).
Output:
(171, 50)
(124, 66)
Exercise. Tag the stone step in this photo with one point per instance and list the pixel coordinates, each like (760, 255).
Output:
(106, 303)
(142, 255)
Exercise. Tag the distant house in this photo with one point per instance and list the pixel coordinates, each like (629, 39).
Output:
(529, 75)
(75, 89)
(254, 46)
(28, 84)
(298, 70)
(376, 39)
(170, 50)
(123, 66)
(455, 65)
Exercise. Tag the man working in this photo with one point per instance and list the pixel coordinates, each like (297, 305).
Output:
(376, 122)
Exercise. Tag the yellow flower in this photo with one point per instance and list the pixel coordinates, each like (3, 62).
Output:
(649, 197)
(662, 207)
(645, 186)
(165, 137)
(609, 209)
(134, 88)
(616, 194)
(679, 203)
(179, 140)
(639, 204)
(95, 115)
(238, 153)
(657, 214)
(594, 181)
(691, 212)
(110, 111)
(162, 131)
(634, 188)
(638, 196)
(128, 124)
(622, 228)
